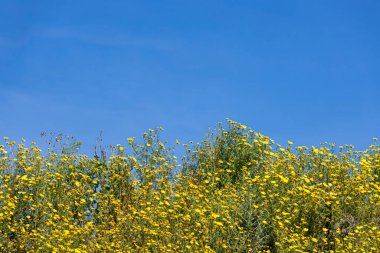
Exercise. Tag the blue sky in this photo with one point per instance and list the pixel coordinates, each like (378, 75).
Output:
(306, 71)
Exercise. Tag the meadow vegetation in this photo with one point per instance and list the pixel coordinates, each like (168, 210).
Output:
(236, 191)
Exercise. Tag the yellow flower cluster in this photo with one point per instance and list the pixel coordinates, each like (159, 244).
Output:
(236, 191)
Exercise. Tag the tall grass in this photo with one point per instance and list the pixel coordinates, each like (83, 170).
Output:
(236, 191)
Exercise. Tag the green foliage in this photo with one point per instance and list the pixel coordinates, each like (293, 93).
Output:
(236, 191)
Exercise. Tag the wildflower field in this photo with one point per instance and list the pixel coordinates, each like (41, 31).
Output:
(236, 191)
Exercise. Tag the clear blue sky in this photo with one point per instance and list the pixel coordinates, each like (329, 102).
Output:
(306, 71)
